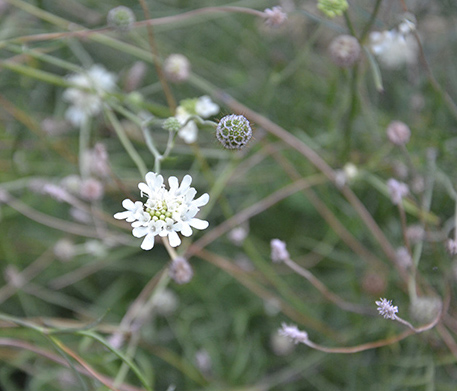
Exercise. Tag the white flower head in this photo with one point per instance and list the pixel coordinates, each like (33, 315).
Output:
(85, 103)
(166, 212)
(386, 309)
(176, 68)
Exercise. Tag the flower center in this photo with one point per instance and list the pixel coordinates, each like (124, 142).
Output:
(159, 211)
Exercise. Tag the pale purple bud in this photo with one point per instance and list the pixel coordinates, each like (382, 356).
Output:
(397, 190)
(386, 309)
(238, 234)
(398, 133)
(91, 189)
(415, 233)
(275, 16)
(451, 246)
(293, 333)
(403, 258)
(279, 251)
(135, 76)
(180, 270)
(203, 361)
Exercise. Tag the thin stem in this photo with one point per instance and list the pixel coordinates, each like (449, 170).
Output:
(136, 158)
(155, 54)
(369, 25)
(329, 295)
(84, 139)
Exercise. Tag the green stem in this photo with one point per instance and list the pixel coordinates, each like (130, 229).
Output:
(351, 116)
(136, 158)
(369, 25)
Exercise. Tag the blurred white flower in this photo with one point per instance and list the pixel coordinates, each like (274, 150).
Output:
(166, 212)
(397, 190)
(176, 68)
(393, 48)
(203, 107)
(86, 97)
(292, 332)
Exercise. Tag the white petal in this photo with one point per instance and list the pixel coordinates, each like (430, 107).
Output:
(148, 242)
(185, 184)
(199, 224)
(128, 204)
(186, 230)
(122, 215)
(139, 232)
(174, 184)
(144, 188)
(173, 237)
(202, 200)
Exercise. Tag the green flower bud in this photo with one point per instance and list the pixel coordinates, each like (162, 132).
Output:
(332, 8)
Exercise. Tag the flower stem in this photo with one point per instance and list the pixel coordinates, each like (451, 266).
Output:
(125, 141)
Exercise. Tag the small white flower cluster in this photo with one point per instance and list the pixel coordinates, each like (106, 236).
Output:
(166, 212)
(203, 107)
(395, 47)
(386, 309)
(86, 97)
(293, 333)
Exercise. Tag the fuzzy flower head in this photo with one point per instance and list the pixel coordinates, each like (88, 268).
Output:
(386, 309)
(344, 51)
(121, 19)
(203, 107)
(166, 212)
(86, 96)
(293, 333)
(176, 68)
(275, 16)
(332, 8)
(398, 133)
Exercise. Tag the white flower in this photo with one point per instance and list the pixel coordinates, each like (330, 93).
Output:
(188, 132)
(84, 103)
(176, 67)
(203, 107)
(166, 212)
(393, 48)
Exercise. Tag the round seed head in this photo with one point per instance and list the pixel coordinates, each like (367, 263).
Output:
(121, 19)
(344, 51)
(234, 131)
